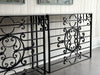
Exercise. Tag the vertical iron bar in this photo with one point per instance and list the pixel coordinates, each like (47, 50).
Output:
(77, 32)
(91, 36)
(36, 41)
(32, 43)
(49, 62)
(44, 55)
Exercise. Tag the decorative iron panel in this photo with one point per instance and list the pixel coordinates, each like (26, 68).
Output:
(69, 39)
(20, 45)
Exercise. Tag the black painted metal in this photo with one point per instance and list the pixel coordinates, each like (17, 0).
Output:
(44, 55)
(49, 54)
(32, 43)
(66, 38)
(37, 41)
(91, 37)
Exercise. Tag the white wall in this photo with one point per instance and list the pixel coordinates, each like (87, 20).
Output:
(31, 7)
(97, 25)
(98, 19)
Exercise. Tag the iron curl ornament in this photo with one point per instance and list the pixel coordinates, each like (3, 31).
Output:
(11, 21)
(11, 47)
(72, 39)
(43, 20)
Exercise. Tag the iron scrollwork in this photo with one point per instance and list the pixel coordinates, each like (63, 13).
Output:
(43, 20)
(12, 23)
(15, 45)
(12, 47)
(73, 37)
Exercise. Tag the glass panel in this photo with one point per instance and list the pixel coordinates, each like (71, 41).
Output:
(67, 2)
(12, 1)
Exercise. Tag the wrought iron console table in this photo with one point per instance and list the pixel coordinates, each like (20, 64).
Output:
(35, 42)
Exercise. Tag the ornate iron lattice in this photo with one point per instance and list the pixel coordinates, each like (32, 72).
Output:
(71, 42)
(72, 39)
(23, 39)
(16, 41)
(11, 44)
(43, 20)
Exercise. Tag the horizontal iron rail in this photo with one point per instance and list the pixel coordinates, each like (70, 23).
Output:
(66, 40)
(68, 52)
(64, 34)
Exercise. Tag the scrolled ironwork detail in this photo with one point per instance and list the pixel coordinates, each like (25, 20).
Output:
(12, 23)
(72, 41)
(43, 20)
(70, 59)
(10, 53)
(84, 17)
(71, 20)
(72, 37)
